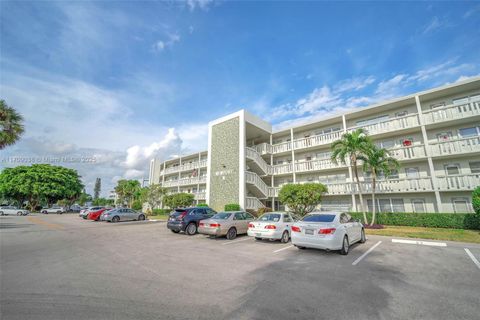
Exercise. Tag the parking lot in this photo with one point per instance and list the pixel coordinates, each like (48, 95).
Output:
(64, 267)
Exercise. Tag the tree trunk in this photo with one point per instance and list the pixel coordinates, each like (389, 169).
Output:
(373, 200)
(362, 207)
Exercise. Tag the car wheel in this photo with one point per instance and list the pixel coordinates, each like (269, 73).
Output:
(345, 246)
(285, 237)
(1, 213)
(116, 219)
(258, 238)
(19, 213)
(231, 234)
(141, 217)
(44, 212)
(175, 231)
(363, 239)
(300, 247)
(191, 229)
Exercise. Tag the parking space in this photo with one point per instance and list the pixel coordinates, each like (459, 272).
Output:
(142, 270)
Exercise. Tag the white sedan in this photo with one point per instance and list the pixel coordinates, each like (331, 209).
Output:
(328, 231)
(10, 210)
(272, 225)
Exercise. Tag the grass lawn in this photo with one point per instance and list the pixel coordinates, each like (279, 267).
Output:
(428, 233)
(159, 217)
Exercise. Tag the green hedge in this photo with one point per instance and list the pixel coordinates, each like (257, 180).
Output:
(232, 207)
(432, 220)
(159, 212)
(476, 200)
(202, 205)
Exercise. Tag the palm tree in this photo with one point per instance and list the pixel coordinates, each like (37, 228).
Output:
(11, 125)
(377, 160)
(350, 147)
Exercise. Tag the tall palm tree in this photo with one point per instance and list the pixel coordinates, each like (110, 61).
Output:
(350, 147)
(11, 125)
(377, 160)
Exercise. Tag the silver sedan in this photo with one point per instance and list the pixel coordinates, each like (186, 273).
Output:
(227, 224)
(121, 214)
(327, 230)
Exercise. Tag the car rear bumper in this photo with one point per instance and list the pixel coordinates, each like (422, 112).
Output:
(176, 225)
(265, 234)
(210, 231)
(105, 218)
(327, 243)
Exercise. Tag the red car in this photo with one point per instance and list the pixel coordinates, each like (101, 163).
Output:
(95, 215)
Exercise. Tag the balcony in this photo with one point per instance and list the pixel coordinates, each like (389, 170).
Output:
(253, 203)
(454, 147)
(317, 140)
(316, 165)
(408, 153)
(282, 169)
(200, 195)
(184, 182)
(390, 125)
(452, 112)
(185, 167)
(458, 182)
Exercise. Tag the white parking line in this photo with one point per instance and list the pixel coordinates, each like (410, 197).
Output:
(473, 258)
(424, 243)
(282, 249)
(235, 241)
(366, 253)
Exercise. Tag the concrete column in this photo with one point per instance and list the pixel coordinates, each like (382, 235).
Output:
(179, 173)
(428, 153)
(350, 173)
(293, 156)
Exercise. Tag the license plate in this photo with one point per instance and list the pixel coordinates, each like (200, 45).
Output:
(258, 234)
(309, 231)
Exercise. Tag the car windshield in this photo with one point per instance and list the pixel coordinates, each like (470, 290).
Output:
(319, 218)
(222, 216)
(275, 217)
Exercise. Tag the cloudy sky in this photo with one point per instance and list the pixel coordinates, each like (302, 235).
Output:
(122, 82)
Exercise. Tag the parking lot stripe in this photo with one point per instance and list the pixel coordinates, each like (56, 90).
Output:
(473, 258)
(424, 243)
(235, 241)
(282, 249)
(366, 253)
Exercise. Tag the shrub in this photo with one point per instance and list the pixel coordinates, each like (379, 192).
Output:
(302, 198)
(476, 200)
(264, 210)
(232, 207)
(158, 212)
(202, 205)
(137, 205)
(432, 220)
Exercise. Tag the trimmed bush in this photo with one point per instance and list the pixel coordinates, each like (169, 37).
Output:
(158, 212)
(476, 200)
(232, 207)
(137, 205)
(431, 220)
(202, 205)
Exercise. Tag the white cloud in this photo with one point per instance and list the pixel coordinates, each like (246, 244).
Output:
(473, 11)
(161, 45)
(433, 25)
(201, 4)
(354, 84)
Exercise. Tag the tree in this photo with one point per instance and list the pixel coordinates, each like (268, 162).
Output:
(349, 148)
(302, 198)
(97, 189)
(128, 191)
(476, 200)
(178, 200)
(11, 125)
(84, 198)
(102, 202)
(40, 183)
(153, 195)
(377, 160)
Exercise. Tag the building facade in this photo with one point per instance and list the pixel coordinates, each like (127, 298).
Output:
(434, 134)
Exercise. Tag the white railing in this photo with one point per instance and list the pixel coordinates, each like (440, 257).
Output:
(263, 148)
(253, 178)
(464, 145)
(252, 154)
(282, 168)
(458, 182)
(273, 191)
(405, 153)
(253, 203)
(317, 140)
(316, 165)
(282, 147)
(390, 125)
(452, 112)
(185, 167)
(183, 182)
(200, 195)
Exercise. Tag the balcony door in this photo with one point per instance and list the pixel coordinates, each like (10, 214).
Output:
(413, 175)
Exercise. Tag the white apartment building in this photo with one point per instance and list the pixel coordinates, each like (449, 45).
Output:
(435, 135)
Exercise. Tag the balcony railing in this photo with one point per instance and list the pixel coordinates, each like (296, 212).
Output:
(184, 182)
(263, 148)
(254, 179)
(185, 167)
(452, 112)
(406, 153)
(390, 125)
(200, 195)
(282, 147)
(253, 203)
(452, 147)
(458, 182)
(317, 140)
(316, 165)
(282, 168)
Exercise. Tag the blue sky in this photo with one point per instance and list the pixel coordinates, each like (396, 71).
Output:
(126, 81)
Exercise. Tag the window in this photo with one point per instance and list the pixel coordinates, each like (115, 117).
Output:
(475, 167)
(275, 217)
(248, 216)
(344, 218)
(412, 172)
(437, 105)
(372, 120)
(319, 218)
(397, 205)
(401, 113)
(418, 205)
(287, 218)
(444, 136)
(452, 169)
(384, 205)
(460, 205)
(462, 100)
(468, 132)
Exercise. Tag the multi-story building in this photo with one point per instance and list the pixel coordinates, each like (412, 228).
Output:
(435, 135)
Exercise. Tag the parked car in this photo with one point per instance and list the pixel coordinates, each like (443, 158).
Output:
(229, 224)
(84, 213)
(11, 210)
(272, 226)
(53, 209)
(75, 208)
(95, 214)
(328, 231)
(187, 219)
(121, 214)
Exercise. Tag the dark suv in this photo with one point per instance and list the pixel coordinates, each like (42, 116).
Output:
(187, 219)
